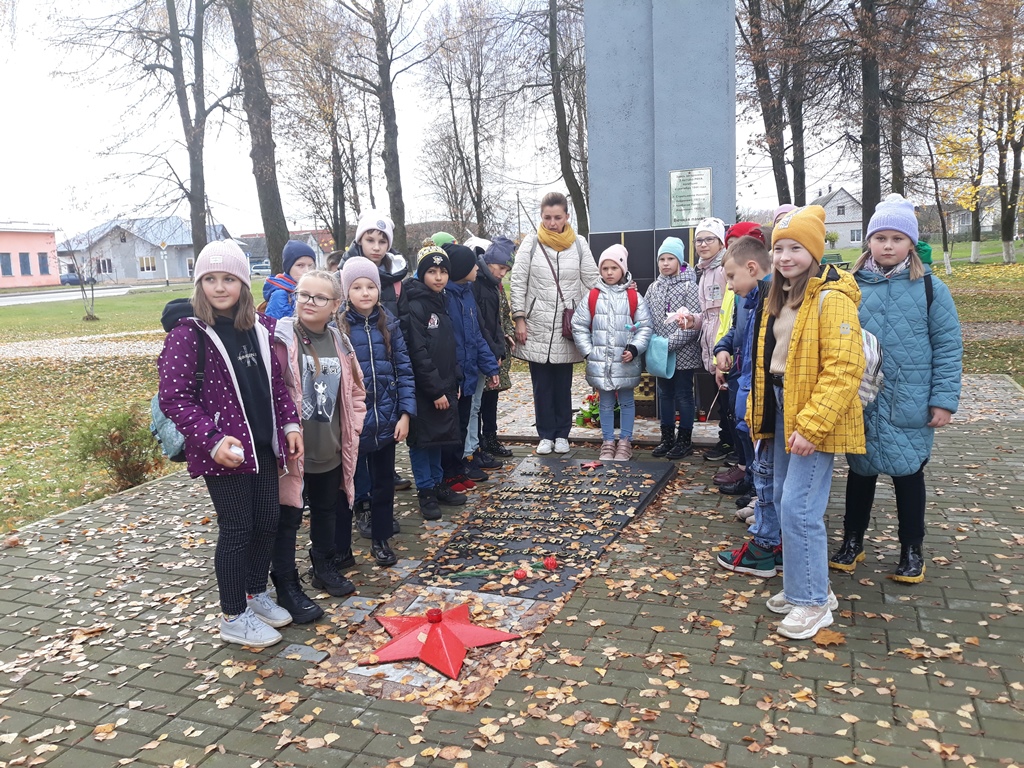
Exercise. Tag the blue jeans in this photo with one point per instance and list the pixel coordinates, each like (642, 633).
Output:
(426, 467)
(473, 435)
(627, 414)
(766, 530)
(675, 395)
(802, 485)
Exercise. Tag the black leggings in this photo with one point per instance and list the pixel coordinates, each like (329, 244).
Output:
(247, 508)
(381, 465)
(452, 457)
(489, 412)
(321, 491)
(910, 497)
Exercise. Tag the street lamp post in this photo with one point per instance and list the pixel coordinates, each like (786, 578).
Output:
(163, 255)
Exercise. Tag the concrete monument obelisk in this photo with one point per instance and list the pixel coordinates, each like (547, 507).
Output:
(661, 122)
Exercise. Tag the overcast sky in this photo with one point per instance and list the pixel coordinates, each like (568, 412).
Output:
(56, 133)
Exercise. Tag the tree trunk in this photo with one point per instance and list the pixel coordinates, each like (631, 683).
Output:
(899, 177)
(871, 135)
(579, 201)
(979, 171)
(389, 116)
(258, 111)
(771, 104)
(194, 128)
(339, 225)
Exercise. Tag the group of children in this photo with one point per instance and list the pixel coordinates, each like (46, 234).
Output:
(782, 333)
(798, 359)
(302, 404)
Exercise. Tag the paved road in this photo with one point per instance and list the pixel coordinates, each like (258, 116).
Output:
(70, 294)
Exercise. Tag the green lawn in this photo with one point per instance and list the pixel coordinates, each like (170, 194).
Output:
(137, 311)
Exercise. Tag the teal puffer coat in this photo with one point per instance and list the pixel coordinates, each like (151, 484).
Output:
(922, 353)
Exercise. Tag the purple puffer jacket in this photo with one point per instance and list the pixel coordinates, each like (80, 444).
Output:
(206, 417)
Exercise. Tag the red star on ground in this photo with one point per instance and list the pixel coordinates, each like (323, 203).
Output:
(591, 465)
(438, 639)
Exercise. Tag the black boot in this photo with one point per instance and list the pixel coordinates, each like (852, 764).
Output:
(402, 483)
(326, 577)
(486, 460)
(291, 597)
(682, 447)
(448, 497)
(668, 439)
(493, 446)
(381, 552)
(429, 507)
(342, 561)
(362, 518)
(911, 567)
(850, 552)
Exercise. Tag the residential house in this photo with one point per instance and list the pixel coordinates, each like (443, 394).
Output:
(28, 255)
(134, 249)
(255, 245)
(843, 214)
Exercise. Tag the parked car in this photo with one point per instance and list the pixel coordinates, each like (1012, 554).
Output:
(260, 268)
(71, 278)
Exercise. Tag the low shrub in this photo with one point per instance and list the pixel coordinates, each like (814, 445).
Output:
(122, 444)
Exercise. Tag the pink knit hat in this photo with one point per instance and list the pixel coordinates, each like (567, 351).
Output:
(222, 256)
(615, 253)
(356, 267)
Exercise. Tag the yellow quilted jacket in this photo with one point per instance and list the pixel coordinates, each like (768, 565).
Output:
(823, 369)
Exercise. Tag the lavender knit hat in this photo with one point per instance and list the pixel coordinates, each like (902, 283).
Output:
(895, 212)
(353, 269)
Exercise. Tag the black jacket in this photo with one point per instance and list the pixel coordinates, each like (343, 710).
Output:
(488, 303)
(430, 338)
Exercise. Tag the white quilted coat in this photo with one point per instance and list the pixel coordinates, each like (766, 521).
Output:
(535, 297)
(603, 338)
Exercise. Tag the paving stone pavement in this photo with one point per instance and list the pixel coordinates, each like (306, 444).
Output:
(108, 654)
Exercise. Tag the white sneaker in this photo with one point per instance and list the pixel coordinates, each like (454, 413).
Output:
(778, 604)
(268, 611)
(561, 445)
(544, 447)
(247, 629)
(804, 621)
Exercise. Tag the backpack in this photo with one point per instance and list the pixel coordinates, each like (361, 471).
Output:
(631, 295)
(172, 442)
(873, 379)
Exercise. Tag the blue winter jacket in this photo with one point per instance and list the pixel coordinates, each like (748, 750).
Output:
(922, 355)
(475, 355)
(390, 387)
(279, 293)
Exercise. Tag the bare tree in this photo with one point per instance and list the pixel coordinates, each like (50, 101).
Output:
(259, 115)
(165, 45)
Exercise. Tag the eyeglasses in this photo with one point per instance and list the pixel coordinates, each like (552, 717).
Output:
(705, 240)
(305, 298)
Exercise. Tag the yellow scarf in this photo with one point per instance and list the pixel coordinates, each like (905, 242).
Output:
(559, 241)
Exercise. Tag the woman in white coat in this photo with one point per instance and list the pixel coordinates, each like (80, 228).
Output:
(553, 271)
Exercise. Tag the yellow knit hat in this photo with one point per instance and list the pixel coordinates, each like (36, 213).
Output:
(805, 225)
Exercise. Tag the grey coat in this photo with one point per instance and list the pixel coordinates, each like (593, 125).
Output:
(603, 341)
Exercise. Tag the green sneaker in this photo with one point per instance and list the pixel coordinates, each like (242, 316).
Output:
(749, 559)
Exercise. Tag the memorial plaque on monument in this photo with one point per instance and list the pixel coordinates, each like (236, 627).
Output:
(569, 509)
(691, 196)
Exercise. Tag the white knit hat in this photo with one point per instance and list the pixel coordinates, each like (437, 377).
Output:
(222, 256)
(372, 219)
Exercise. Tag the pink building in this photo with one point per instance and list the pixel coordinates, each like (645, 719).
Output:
(28, 255)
